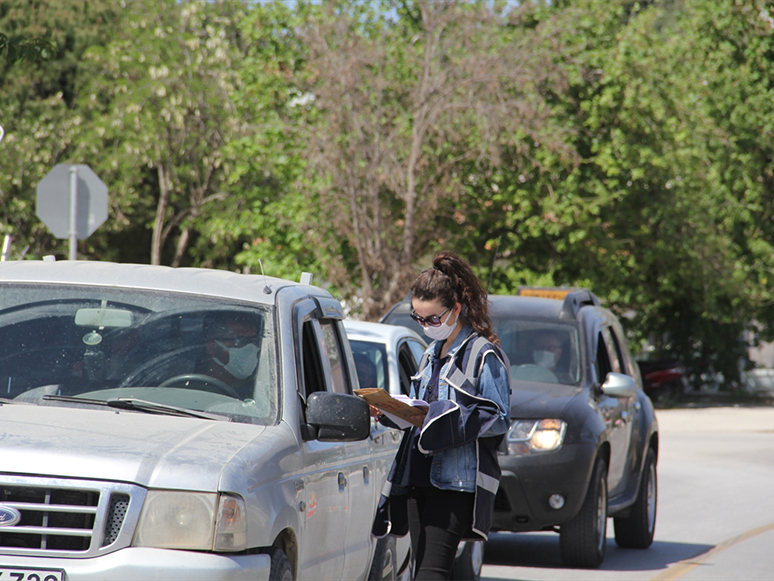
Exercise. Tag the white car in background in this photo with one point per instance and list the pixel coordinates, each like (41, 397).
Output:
(387, 356)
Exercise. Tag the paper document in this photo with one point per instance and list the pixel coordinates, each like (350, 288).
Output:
(402, 410)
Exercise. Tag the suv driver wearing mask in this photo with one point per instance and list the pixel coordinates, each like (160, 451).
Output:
(547, 353)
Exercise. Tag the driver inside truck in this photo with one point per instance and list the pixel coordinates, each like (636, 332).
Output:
(232, 347)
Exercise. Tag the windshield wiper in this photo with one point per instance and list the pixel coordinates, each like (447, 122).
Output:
(141, 405)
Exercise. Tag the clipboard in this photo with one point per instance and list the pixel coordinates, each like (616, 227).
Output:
(400, 411)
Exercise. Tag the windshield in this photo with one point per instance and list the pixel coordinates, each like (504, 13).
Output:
(540, 351)
(104, 343)
(537, 350)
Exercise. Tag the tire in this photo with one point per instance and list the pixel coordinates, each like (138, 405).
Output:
(582, 540)
(280, 566)
(467, 567)
(384, 566)
(636, 531)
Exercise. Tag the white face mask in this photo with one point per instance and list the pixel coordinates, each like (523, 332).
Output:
(544, 358)
(242, 361)
(442, 331)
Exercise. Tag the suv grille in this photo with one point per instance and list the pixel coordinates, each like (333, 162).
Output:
(66, 517)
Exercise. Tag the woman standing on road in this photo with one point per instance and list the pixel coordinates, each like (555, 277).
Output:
(443, 482)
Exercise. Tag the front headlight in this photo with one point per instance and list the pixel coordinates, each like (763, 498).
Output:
(188, 520)
(527, 436)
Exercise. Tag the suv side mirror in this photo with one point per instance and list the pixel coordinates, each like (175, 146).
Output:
(619, 385)
(338, 417)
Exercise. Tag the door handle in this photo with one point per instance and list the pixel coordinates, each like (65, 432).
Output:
(342, 479)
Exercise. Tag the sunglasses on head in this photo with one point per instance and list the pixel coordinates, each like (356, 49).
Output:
(431, 321)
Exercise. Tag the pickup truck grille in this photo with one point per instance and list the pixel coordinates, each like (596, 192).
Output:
(68, 517)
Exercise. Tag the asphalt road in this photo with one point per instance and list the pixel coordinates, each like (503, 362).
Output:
(715, 516)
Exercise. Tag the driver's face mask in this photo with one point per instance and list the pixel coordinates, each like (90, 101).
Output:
(242, 361)
(545, 359)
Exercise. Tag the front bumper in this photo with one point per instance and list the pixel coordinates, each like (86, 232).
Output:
(134, 563)
(529, 480)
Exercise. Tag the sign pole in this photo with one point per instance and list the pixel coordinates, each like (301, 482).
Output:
(73, 234)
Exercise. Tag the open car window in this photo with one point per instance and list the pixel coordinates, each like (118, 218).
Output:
(181, 350)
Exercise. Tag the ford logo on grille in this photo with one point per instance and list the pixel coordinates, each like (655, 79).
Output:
(9, 516)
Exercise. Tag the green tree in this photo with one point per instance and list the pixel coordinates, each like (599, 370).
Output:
(159, 111)
(20, 47)
(263, 218)
(38, 105)
(667, 214)
(393, 104)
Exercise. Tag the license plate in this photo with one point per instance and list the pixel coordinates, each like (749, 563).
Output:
(23, 574)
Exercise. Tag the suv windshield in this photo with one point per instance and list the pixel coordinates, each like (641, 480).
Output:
(540, 351)
(103, 343)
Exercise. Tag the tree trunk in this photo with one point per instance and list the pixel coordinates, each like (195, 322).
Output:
(182, 245)
(157, 242)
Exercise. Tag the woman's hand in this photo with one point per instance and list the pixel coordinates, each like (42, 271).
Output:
(375, 412)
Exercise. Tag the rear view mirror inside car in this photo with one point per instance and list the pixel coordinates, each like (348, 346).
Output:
(103, 318)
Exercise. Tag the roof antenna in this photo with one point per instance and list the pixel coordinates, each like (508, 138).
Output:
(491, 270)
(266, 287)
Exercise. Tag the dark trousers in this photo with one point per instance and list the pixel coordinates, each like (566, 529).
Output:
(437, 521)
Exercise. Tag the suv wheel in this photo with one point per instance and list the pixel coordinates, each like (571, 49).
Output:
(636, 530)
(582, 540)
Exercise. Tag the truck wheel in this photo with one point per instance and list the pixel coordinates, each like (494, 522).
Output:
(467, 567)
(384, 566)
(280, 566)
(636, 530)
(582, 540)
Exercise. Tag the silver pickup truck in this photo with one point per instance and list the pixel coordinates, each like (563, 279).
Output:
(160, 423)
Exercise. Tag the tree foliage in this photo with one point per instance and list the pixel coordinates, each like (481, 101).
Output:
(159, 103)
(625, 146)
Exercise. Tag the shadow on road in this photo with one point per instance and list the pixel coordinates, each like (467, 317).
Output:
(541, 550)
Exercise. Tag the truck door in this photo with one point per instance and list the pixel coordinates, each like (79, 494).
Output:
(324, 481)
(357, 466)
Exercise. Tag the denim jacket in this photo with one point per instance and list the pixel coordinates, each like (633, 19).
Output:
(461, 430)
(454, 462)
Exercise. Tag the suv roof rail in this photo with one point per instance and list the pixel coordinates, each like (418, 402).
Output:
(574, 298)
(577, 299)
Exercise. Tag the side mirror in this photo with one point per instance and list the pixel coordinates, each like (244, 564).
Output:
(338, 417)
(619, 385)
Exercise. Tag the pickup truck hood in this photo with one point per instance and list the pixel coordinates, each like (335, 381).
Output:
(531, 400)
(150, 450)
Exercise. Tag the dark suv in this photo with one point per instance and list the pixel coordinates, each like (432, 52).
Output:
(583, 444)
